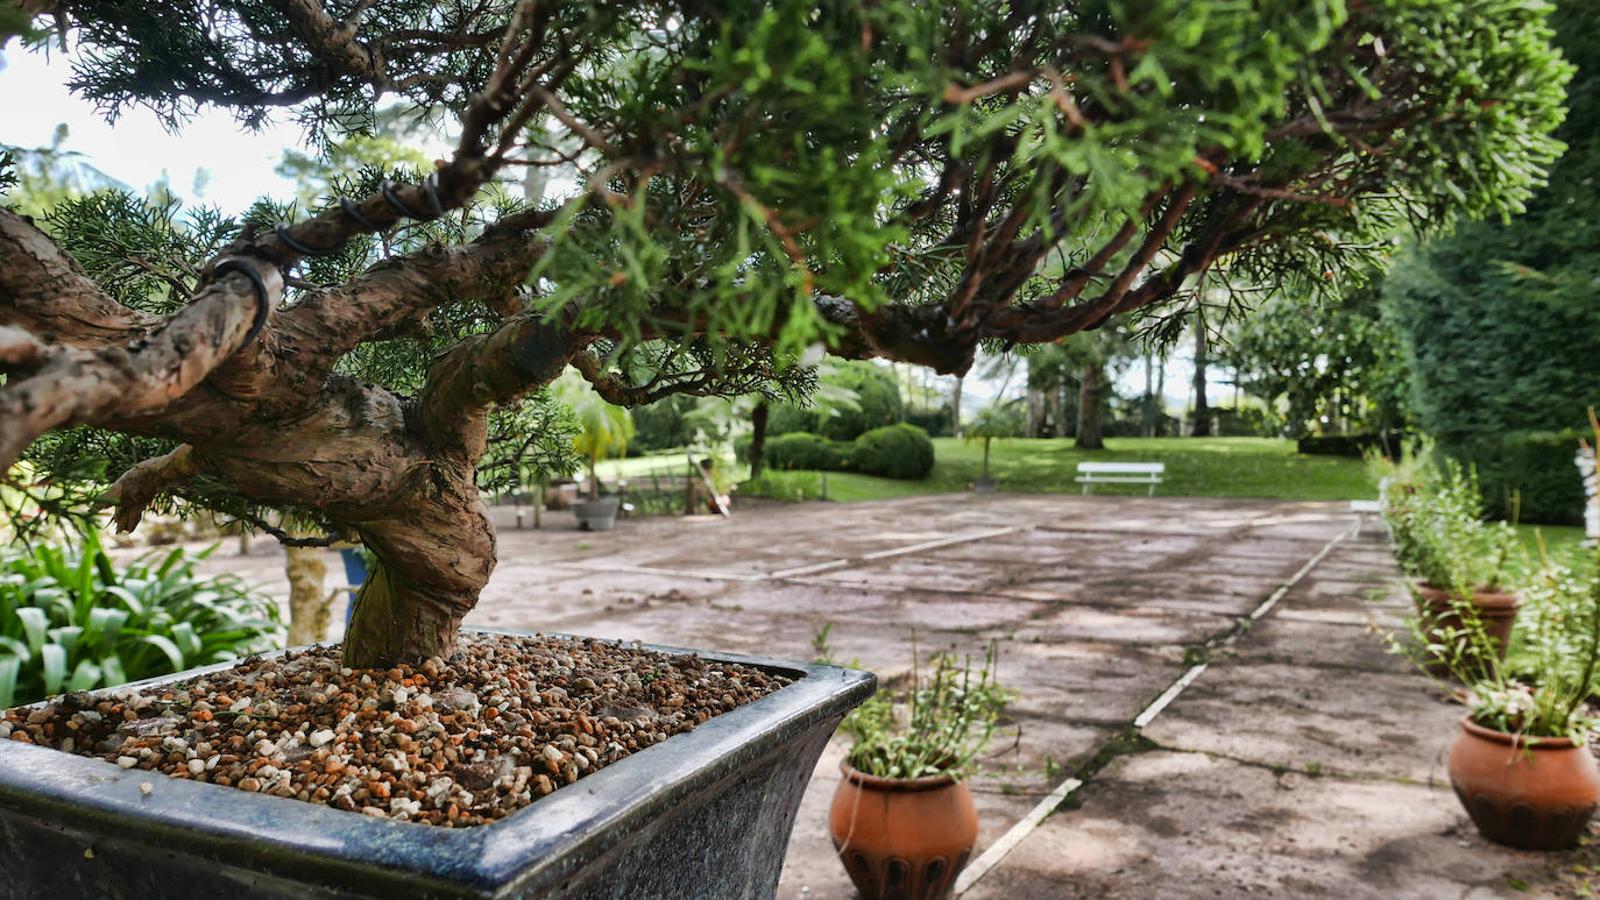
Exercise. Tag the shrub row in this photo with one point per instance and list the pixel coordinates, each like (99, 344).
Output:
(1350, 444)
(1536, 465)
(893, 451)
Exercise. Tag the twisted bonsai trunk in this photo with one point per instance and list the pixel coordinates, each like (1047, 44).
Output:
(433, 560)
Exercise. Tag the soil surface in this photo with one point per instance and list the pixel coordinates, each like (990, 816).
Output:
(459, 742)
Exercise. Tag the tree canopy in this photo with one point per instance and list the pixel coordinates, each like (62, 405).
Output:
(729, 184)
(1499, 324)
(1328, 366)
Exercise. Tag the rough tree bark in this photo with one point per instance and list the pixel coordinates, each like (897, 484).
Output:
(955, 407)
(1036, 411)
(1147, 416)
(1161, 395)
(1090, 417)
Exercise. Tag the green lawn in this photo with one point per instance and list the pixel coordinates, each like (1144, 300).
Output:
(1564, 543)
(1196, 467)
(666, 462)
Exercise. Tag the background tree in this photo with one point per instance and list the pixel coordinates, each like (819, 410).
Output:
(1050, 377)
(1200, 425)
(1098, 356)
(1499, 324)
(1322, 367)
(747, 180)
(997, 420)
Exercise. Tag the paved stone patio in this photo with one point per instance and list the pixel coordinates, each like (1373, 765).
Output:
(1301, 761)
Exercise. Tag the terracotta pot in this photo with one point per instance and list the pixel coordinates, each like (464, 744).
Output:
(1496, 610)
(902, 838)
(1531, 793)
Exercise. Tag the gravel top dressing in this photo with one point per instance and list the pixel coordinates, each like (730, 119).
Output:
(459, 742)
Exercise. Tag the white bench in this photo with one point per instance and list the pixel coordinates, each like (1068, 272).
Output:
(1091, 473)
(1373, 507)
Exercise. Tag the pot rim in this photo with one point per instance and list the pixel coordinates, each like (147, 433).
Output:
(1488, 600)
(1515, 740)
(894, 785)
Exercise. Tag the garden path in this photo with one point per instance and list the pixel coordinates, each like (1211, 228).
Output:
(1300, 761)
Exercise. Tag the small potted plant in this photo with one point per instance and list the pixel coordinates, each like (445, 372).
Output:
(604, 429)
(1459, 561)
(902, 819)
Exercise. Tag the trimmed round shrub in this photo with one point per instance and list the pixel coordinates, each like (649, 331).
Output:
(894, 451)
(877, 401)
(803, 450)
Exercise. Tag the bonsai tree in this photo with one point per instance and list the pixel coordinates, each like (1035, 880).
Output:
(996, 420)
(743, 182)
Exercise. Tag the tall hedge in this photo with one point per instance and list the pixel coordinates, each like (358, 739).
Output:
(1535, 465)
(1501, 321)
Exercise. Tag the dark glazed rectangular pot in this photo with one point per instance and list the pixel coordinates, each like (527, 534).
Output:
(703, 814)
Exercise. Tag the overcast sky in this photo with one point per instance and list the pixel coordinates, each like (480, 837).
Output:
(216, 162)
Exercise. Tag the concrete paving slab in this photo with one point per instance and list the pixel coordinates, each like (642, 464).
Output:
(1366, 723)
(1298, 642)
(1178, 587)
(1086, 681)
(1163, 824)
(1071, 622)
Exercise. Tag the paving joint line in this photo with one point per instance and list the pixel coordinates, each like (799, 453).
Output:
(1350, 775)
(786, 574)
(996, 852)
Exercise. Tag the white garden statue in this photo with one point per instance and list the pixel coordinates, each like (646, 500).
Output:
(1591, 486)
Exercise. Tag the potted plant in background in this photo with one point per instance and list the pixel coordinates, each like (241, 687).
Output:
(1460, 563)
(996, 420)
(604, 429)
(902, 818)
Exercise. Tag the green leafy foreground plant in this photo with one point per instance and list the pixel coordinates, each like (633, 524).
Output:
(1541, 691)
(1441, 537)
(71, 620)
(935, 725)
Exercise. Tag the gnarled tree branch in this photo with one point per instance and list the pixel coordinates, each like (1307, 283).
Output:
(133, 491)
(45, 291)
(74, 386)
